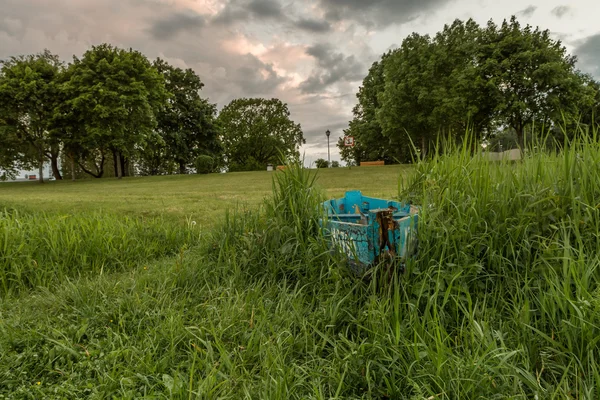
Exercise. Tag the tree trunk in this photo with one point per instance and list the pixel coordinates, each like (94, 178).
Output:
(99, 168)
(41, 166)
(73, 176)
(119, 171)
(124, 166)
(182, 168)
(520, 141)
(54, 163)
(114, 157)
(423, 148)
(95, 175)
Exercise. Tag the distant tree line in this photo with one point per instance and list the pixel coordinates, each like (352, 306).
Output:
(114, 110)
(484, 80)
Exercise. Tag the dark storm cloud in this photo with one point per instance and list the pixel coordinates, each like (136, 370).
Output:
(588, 54)
(169, 27)
(332, 67)
(265, 8)
(377, 12)
(236, 10)
(528, 12)
(560, 11)
(313, 25)
(328, 58)
(255, 77)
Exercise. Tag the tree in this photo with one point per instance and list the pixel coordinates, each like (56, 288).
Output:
(461, 99)
(530, 74)
(257, 132)
(114, 95)
(14, 153)
(186, 123)
(465, 79)
(407, 103)
(321, 163)
(335, 164)
(587, 105)
(433, 88)
(28, 99)
(370, 143)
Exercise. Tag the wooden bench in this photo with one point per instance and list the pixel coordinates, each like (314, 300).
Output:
(372, 163)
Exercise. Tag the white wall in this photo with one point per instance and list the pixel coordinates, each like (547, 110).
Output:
(514, 154)
(21, 174)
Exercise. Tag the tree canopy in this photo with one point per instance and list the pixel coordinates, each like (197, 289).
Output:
(28, 99)
(466, 78)
(115, 94)
(257, 132)
(321, 163)
(109, 105)
(185, 123)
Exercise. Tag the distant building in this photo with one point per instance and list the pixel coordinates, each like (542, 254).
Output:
(28, 175)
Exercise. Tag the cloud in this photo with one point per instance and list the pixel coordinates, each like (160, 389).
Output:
(11, 26)
(377, 13)
(247, 48)
(527, 12)
(588, 54)
(172, 25)
(332, 67)
(236, 10)
(313, 25)
(560, 11)
(265, 8)
(318, 134)
(255, 77)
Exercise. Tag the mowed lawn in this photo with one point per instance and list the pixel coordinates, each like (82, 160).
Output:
(200, 197)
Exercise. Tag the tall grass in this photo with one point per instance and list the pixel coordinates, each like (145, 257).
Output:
(502, 301)
(38, 249)
(283, 241)
(510, 251)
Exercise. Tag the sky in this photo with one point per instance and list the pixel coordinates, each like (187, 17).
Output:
(311, 54)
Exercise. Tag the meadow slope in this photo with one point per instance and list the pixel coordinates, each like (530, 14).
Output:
(201, 197)
(502, 300)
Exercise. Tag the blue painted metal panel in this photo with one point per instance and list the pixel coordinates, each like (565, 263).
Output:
(366, 229)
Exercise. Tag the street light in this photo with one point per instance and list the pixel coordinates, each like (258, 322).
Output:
(328, 158)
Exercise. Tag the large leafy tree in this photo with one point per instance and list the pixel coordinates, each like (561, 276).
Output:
(14, 153)
(590, 105)
(321, 163)
(462, 100)
(28, 99)
(256, 132)
(530, 75)
(466, 78)
(432, 87)
(114, 95)
(186, 123)
(406, 104)
(370, 143)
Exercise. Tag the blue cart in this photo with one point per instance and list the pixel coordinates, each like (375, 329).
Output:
(369, 230)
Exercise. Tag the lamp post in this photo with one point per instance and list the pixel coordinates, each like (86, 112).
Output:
(328, 157)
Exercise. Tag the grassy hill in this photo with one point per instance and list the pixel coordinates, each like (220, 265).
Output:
(200, 197)
(501, 301)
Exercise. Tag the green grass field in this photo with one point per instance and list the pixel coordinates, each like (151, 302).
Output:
(501, 301)
(200, 197)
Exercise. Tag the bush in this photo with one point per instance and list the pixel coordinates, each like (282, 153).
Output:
(321, 163)
(204, 164)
